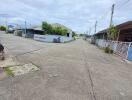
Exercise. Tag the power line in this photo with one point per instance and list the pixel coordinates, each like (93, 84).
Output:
(122, 4)
(105, 14)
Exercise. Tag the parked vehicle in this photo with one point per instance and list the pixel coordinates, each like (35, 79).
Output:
(10, 30)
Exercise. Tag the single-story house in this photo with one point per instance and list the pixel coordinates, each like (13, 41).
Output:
(124, 32)
(36, 33)
(28, 33)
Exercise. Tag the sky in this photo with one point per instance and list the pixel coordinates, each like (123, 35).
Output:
(79, 15)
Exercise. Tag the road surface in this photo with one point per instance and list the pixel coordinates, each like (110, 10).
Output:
(70, 71)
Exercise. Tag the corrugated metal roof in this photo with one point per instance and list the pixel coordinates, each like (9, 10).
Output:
(121, 26)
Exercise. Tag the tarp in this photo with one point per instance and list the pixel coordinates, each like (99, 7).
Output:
(129, 54)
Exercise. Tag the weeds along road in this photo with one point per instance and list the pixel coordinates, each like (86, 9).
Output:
(70, 71)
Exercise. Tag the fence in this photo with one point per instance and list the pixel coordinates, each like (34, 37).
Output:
(124, 49)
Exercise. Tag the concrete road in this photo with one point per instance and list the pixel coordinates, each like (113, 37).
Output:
(71, 71)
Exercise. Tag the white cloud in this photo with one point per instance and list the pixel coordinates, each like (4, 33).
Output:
(76, 14)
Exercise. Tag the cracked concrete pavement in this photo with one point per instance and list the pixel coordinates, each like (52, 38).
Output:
(71, 71)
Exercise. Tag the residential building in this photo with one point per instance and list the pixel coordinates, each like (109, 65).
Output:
(124, 32)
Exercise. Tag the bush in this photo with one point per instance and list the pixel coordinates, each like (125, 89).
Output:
(74, 38)
(108, 50)
(111, 51)
(2, 28)
(74, 34)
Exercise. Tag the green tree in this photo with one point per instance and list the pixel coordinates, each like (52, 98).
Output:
(2, 28)
(112, 32)
(47, 28)
(74, 34)
(59, 31)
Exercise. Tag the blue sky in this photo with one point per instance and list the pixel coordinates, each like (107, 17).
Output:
(78, 15)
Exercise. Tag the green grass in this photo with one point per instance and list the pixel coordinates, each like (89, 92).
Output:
(35, 65)
(8, 71)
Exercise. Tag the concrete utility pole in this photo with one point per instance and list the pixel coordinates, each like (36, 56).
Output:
(112, 13)
(111, 19)
(6, 24)
(25, 27)
(95, 27)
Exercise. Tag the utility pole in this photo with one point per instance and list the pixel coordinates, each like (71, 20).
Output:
(112, 13)
(6, 23)
(95, 27)
(25, 27)
(111, 19)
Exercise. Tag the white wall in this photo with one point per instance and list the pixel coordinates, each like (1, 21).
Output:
(50, 38)
(101, 43)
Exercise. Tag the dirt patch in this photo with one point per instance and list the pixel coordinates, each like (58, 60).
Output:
(7, 62)
(2, 74)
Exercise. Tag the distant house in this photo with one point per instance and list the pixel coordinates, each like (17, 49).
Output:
(124, 32)
(37, 33)
(122, 44)
(29, 32)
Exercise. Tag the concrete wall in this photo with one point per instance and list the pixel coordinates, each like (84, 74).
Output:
(50, 38)
(124, 49)
(101, 43)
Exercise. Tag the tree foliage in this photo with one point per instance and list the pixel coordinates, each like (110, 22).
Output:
(74, 34)
(112, 32)
(48, 29)
(59, 31)
(2, 28)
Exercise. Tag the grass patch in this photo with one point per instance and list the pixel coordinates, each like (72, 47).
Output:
(36, 65)
(8, 71)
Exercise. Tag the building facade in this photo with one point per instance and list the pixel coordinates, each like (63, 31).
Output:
(124, 32)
